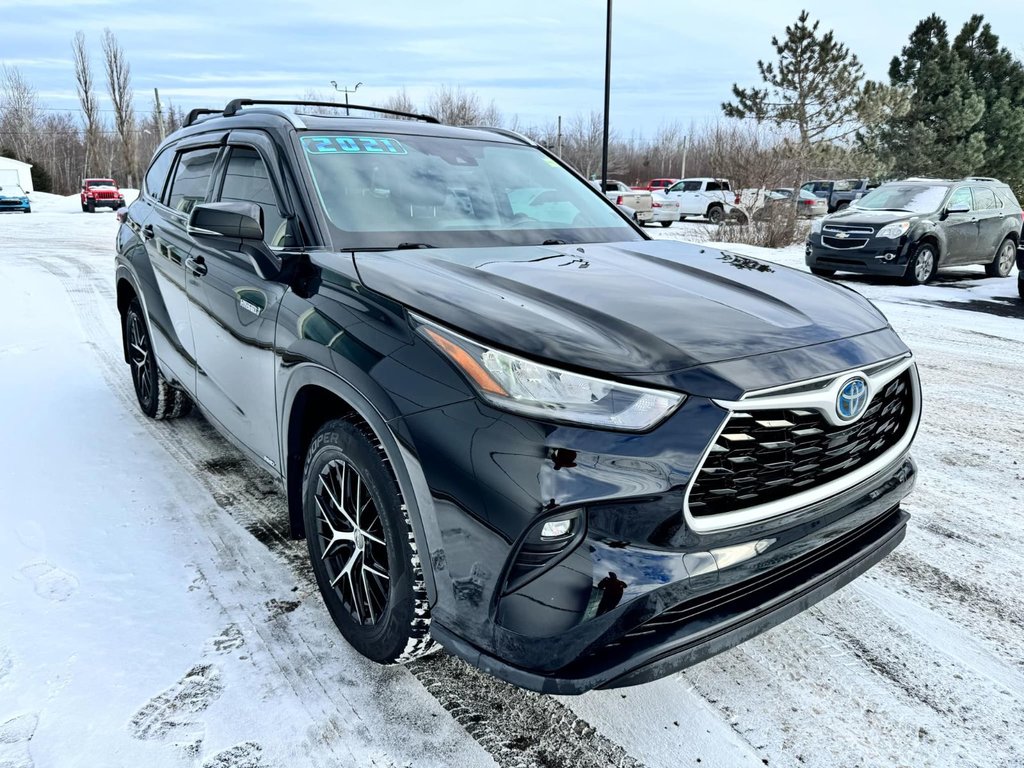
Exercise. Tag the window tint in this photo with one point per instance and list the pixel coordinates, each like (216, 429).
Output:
(688, 186)
(961, 197)
(191, 179)
(157, 174)
(714, 186)
(247, 180)
(984, 199)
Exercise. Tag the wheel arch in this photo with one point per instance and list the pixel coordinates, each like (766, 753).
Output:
(126, 291)
(315, 395)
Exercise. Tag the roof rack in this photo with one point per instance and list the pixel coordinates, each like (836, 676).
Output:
(507, 133)
(979, 178)
(195, 114)
(236, 104)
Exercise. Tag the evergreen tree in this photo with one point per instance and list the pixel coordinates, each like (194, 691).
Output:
(940, 134)
(999, 79)
(814, 92)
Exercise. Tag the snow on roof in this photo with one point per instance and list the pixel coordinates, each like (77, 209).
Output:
(10, 162)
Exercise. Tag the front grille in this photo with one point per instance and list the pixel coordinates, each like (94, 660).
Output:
(841, 244)
(845, 237)
(762, 456)
(10, 204)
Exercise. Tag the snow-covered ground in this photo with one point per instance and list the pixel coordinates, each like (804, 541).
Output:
(153, 612)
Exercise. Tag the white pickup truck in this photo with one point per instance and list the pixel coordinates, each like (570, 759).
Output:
(712, 198)
(640, 202)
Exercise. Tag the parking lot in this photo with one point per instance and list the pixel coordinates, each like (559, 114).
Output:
(163, 618)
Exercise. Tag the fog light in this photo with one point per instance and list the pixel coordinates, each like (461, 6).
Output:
(554, 529)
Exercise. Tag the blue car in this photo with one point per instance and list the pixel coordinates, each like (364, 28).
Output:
(13, 198)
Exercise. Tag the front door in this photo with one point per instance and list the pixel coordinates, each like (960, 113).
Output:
(961, 228)
(169, 246)
(234, 317)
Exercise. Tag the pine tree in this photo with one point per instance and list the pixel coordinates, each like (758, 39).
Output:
(815, 92)
(940, 133)
(999, 78)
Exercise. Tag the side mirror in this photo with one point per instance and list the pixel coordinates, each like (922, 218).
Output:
(235, 220)
(961, 208)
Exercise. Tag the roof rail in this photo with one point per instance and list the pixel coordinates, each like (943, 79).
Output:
(236, 104)
(195, 114)
(979, 178)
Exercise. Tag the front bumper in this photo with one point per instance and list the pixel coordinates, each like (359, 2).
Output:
(15, 205)
(493, 477)
(878, 256)
(106, 202)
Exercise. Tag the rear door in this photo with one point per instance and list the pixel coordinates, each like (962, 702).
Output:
(168, 246)
(961, 228)
(234, 309)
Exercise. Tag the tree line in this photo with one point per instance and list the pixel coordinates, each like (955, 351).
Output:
(950, 107)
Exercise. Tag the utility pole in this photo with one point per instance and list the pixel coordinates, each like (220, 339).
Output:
(682, 170)
(346, 91)
(607, 96)
(558, 143)
(159, 114)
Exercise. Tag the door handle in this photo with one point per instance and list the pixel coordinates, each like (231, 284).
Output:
(197, 265)
(147, 232)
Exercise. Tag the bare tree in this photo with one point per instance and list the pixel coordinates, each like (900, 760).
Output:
(456, 106)
(87, 99)
(399, 102)
(19, 112)
(119, 85)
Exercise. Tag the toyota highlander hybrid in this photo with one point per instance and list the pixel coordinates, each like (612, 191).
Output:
(505, 420)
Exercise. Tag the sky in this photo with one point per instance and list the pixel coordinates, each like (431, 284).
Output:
(672, 61)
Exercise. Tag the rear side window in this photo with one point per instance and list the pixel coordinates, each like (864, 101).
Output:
(714, 186)
(247, 180)
(157, 174)
(984, 199)
(191, 179)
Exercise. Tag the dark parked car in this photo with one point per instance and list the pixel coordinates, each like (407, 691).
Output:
(571, 455)
(1020, 270)
(909, 229)
(839, 194)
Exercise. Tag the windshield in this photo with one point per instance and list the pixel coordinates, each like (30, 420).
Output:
(387, 191)
(914, 198)
(12, 190)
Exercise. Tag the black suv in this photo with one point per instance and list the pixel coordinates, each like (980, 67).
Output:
(909, 229)
(505, 420)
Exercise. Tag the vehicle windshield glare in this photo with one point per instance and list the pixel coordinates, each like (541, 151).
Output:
(384, 191)
(12, 190)
(914, 198)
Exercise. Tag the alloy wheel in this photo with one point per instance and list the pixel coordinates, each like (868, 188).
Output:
(924, 265)
(1007, 255)
(352, 542)
(141, 359)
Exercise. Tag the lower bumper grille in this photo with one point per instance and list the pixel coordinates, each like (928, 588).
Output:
(763, 456)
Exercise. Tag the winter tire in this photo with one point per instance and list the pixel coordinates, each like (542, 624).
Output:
(1002, 264)
(716, 214)
(157, 398)
(91, 206)
(362, 547)
(822, 272)
(666, 224)
(923, 265)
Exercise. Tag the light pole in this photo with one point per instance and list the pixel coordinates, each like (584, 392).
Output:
(607, 97)
(346, 91)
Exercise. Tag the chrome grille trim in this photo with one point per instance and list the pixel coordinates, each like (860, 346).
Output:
(821, 399)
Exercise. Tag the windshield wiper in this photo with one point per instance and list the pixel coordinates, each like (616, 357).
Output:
(399, 247)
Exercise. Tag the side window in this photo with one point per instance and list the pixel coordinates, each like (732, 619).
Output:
(961, 197)
(191, 179)
(157, 174)
(714, 186)
(247, 180)
(691, 186)
(984, 199)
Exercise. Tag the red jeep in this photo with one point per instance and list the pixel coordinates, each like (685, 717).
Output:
(100, 193)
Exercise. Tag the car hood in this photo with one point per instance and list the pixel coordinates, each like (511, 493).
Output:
(853, 216)
(626, 308)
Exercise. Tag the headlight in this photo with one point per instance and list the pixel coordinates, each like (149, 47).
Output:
(533, 389)
(892, 231)
(816, 225)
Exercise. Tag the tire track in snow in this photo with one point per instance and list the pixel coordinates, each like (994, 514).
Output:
(517, 728)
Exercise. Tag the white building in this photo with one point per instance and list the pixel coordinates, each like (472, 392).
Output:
(16, 172)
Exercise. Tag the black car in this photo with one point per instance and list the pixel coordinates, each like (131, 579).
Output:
(508, 422)
(909, 229)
